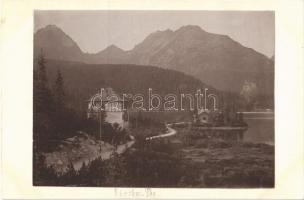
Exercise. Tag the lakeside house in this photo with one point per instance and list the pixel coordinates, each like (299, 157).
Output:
(218, 124)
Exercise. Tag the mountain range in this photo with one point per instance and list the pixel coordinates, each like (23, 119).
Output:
(216, 60)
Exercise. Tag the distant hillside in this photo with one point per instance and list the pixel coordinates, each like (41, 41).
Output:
(214, 59)
(84, 80)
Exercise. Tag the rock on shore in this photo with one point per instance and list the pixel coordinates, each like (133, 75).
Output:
(75, 149)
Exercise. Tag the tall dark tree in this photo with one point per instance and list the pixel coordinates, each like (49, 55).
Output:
(59, 94)
(42, 102)
(59, 105)
(42, 94)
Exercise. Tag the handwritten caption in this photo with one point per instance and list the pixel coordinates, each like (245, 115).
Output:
(134, 193)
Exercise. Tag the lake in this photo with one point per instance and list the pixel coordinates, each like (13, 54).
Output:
(260, 127)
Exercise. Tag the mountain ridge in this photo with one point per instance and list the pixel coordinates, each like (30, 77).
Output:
(215, 59)
(158, 31)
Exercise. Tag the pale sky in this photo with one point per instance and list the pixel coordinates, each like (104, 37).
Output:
(95, 30)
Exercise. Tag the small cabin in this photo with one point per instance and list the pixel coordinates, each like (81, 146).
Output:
(204, 117)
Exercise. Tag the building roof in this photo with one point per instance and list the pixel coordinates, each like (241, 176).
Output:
(201, 111)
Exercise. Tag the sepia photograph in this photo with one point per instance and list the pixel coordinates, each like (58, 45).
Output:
(151, 100)
(154, 99)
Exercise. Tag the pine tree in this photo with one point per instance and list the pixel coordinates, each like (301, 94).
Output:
(60, 112)
(59, 94)
(42, 104)
(42, 95)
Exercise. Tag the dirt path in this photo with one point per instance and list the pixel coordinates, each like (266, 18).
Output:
(122, 148)
(170, 132)
(89, 150)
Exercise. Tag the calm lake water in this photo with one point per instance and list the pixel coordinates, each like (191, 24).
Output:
(260, 127)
